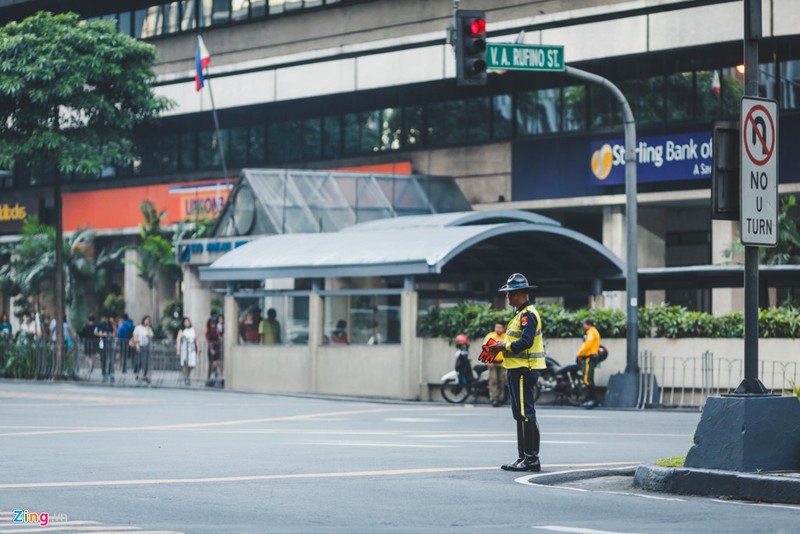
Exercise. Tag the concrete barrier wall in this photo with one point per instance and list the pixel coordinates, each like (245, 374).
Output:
(380, 371)
(268, 369)
(363, 370)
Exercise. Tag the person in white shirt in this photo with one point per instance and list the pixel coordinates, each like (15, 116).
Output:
(186, 348)
(142, 341)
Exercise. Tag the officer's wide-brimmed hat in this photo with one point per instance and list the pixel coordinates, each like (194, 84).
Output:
(516, 282)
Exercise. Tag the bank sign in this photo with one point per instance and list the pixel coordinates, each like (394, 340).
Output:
(665, 158)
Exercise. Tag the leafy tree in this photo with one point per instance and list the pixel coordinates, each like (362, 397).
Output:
(156, 252)
(71, 94)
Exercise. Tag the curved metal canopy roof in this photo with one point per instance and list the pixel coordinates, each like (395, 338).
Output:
(466, 245)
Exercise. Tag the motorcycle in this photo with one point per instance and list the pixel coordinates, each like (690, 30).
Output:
(458, 387)
(566, 381)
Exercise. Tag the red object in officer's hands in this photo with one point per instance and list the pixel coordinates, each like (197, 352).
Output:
(486, 356)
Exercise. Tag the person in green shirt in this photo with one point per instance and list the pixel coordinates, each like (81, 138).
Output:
(269, 329)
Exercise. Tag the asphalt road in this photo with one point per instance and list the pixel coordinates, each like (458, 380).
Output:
(170, 460)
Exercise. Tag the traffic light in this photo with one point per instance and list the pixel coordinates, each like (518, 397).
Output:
(470, 47)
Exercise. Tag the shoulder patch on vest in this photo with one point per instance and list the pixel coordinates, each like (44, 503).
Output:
(524, 321)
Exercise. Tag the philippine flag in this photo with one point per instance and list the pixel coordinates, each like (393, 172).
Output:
(715, 85)
(201, 61)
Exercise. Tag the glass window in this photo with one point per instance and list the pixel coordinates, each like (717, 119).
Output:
(708, 96)
(205, 149)
(646, 98)
(258, 8)
(679, 93)
(240, 9)
(188, 152)
(257, 145)
(574, 108)
(766, 81)
(285, 142)
(149, 22)
(172, 17)
(414, 117)
(213, 12)
(223, 138)
(391, 128)
(312, 139)
(273, 320)
(238, 147)
(790, 84)
(281, 6)
(362, 320)
(732, 92)
(538, 112)
(188, 15)
(125, 22)
(362, 132)
(169, 154)
(148, 150)
(331, 137)
(502, 108)
(458, 122)
(602, 108)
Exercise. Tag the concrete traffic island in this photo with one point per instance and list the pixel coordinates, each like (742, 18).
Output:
(763, 487)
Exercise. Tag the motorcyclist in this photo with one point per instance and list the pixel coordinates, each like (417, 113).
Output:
(524, 357)
(462, 366)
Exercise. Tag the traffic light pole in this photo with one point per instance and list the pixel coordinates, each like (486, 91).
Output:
(631, 224)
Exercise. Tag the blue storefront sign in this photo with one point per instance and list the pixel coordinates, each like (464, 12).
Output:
(666, 158)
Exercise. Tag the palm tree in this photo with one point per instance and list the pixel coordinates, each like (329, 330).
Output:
(32, 266)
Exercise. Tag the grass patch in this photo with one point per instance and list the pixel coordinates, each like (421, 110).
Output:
(672, 461)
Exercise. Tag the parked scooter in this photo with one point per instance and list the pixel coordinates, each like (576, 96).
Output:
(566, 381)
(458, 387)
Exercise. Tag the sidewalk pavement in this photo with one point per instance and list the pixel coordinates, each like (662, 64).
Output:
(764, 487)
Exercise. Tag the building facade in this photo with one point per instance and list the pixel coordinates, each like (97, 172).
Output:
(327, 84)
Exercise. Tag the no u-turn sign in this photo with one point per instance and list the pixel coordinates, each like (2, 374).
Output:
(759, 164)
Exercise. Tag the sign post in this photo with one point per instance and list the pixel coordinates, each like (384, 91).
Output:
(759, 165)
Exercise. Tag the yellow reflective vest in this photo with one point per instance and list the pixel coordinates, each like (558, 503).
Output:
(533, 356)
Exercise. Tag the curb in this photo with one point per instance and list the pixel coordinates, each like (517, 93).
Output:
(723, 484)
(564, 477)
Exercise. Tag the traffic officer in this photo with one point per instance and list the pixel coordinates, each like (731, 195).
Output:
(587, 359)
(523, 358)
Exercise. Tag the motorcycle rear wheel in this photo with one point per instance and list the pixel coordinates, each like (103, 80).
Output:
(454, 393)
(576, 395)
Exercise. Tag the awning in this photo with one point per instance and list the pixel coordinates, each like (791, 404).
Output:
(461, 246)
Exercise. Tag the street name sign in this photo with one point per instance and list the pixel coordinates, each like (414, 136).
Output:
(510, 56)
(759, 167)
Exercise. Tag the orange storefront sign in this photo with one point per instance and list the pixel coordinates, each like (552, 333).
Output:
(120, 208)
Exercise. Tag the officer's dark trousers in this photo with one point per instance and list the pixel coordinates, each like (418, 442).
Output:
(520, 385)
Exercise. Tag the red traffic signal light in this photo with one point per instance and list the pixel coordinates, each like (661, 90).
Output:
(470, 47)
(477, 27)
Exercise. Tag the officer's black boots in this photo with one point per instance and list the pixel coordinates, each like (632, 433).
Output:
(530, 451)
(520, 449)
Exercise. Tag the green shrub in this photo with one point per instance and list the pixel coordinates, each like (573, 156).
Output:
(665, 321)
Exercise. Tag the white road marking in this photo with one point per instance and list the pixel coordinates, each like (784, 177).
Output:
(373, 444)
(577, 530)
(771, 505)
(415, 420)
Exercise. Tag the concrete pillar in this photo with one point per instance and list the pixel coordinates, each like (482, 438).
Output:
(139, 300)
(315, 332)
(196, 299)
(613, 239)
(653, 245)
(723, 235)
(412, 365)
(230, 339)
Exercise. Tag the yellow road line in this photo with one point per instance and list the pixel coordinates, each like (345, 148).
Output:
(248, 478)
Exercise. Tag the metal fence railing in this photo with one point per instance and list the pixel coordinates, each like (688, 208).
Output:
(114, 361)
(686, 382)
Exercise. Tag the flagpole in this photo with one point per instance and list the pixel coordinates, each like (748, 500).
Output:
(216, 126)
